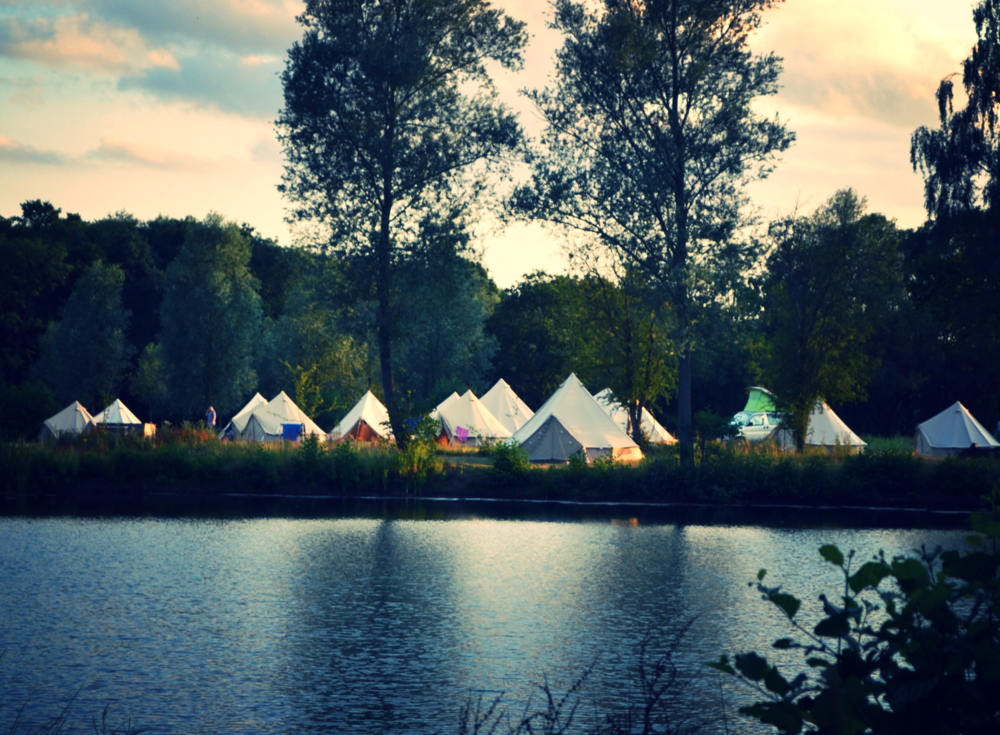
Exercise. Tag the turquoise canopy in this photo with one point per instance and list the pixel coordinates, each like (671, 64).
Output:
(760, 399)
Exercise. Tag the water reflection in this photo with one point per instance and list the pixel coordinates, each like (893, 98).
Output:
(383, 617)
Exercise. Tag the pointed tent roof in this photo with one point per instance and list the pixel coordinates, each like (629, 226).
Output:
(436, 413)
(826, 429)
(652, 428)
(117, 414)
(71, 420)
(953, 430)
(572, 418)
(760, 399)
(239, 421)
(469, 413)
(368, 411)
(505, 404)
(266, 420)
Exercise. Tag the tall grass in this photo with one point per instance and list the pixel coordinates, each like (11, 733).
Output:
(188, 460)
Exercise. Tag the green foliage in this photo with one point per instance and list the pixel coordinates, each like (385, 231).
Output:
(147, 382)
(86, 354)
(832, 278)
(23, 408)
(211, 320)
(960, 161)
(509, 460)
(380, 131)
(911, 644)
(633, 157)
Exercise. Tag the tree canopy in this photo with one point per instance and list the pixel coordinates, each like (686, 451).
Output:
(389, 114)
(651, 136)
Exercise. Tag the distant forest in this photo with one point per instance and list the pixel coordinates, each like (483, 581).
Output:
(679, 297)
(172, 315)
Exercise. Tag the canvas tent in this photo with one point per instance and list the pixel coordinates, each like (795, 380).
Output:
(71, 420)
(117, 417)
(571, 421)
(367, 421)
(238, 423)
(267, 422)
(466, 419)
(504, 403)
(653, 430)
(826, 429)
(952, 431)
(436, 413)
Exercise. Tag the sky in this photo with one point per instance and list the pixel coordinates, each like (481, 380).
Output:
(168, 107)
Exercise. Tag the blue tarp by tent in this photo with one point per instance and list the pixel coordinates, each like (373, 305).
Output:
(291, 432)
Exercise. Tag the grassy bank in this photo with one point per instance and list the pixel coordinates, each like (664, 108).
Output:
(189, 461)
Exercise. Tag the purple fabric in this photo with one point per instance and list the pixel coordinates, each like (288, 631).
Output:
(461, 433)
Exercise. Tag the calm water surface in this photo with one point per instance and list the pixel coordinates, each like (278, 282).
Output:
(331, 618)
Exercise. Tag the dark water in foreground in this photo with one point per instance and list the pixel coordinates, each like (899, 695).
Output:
(280, 616)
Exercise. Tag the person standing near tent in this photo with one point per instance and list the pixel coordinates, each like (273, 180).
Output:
(210, 418)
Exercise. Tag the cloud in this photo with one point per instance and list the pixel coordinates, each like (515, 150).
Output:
(217, 81)
(27, 91)
(856, 58)
(78, 42)
(240, 26)
(13, 152)
(266, 150)
(112, 150)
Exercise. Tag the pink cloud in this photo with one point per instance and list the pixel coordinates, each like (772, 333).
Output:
(77, 42)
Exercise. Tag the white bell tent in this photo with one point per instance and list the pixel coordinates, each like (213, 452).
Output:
(467, 420)
(826, 429)
(238, 424)
(267, 422)
(952, 431)
(73, 419)
(571, 420)
(117, 417)
(505, 404)
(367, 421)
(651, 428)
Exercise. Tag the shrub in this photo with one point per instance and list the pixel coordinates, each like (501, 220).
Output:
(510, 460)
(912, 645)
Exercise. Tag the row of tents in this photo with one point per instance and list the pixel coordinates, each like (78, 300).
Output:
(570, 421)
(76, 419)
(952, 432)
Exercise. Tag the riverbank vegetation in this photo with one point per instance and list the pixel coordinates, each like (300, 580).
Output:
(192, 461)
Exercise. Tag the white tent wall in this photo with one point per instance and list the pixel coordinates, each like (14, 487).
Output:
(266, 422)
(950, 432)
(826, 429)
(74, 419)
(504, 403)
(581, 417)
(468, 412)
(652, 429)
(368, 411)
(239, 422)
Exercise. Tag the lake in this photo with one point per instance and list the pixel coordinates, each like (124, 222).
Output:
(326, 616)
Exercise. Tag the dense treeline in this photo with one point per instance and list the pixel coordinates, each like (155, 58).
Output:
(121, 307)
(678, 299)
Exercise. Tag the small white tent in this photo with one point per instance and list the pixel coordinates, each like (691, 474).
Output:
(466, 419)
(367, 421)
(239, 422)
(505, 404)
(571, 421)
(654, 431)
(71, 420)
(266, 422)
(826, 429)
(117, 417)
(952, 431)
